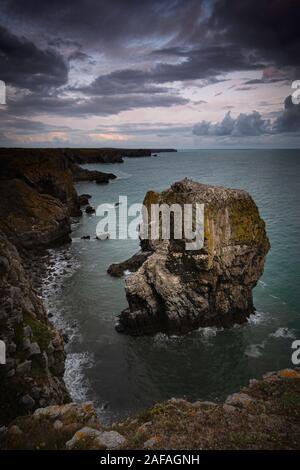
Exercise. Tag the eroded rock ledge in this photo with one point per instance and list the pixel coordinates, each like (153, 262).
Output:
(175, 291)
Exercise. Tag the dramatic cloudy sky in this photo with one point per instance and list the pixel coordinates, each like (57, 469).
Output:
(180, 73)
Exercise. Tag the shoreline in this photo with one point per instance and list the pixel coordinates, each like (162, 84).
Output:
(38, 201)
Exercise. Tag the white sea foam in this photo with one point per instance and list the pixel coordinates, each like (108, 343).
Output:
(127, 273)
(283, 332)
(263, 284)
(208, 332)
(160, 338)
(254, 350)
(121, 176)
(257, 317)
(75, 378)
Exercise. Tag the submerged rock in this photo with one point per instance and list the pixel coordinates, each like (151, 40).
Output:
(83, 199)
(176, 290)
(90, 210)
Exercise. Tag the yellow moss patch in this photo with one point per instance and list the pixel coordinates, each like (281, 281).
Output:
(289, 373)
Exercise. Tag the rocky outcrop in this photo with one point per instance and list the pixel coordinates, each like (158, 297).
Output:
(132, 264)
(82, 174)
(50, 427)
(33, 374)
(263, 415)
(176, 290)
(84, 199)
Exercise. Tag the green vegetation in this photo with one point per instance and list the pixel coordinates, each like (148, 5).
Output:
(41, 333)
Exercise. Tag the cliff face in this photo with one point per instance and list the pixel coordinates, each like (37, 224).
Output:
(37, 198)
(47, 171)
(33, 374)
(177, 290)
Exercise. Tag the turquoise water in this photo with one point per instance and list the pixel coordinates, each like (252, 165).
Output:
(123, 375)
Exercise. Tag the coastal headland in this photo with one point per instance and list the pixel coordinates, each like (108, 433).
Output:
(38, 198)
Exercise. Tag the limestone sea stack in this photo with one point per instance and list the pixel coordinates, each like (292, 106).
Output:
(178, 290)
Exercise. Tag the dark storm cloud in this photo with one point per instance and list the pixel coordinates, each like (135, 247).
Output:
(259, 81)
(123, 82)
(27, 126)
(100, 105)
(203, 63)
(107, 22)
(24, 65)
(170, 40)
(106, 105)
(270, 27)
(253, 124)
(171, 51)
(79, 56)
(266, 32)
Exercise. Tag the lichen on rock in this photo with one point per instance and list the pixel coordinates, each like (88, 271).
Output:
(176, 290)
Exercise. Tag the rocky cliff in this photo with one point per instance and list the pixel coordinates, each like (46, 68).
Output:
(37, 199)
(176, 290)
(33, 374)
(38, 196)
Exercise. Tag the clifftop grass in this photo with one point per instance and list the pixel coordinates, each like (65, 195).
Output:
(264, 415)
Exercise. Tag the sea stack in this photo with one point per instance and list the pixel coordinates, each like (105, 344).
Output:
(177, 290)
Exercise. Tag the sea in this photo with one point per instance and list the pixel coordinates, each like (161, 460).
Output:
(123, 375)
